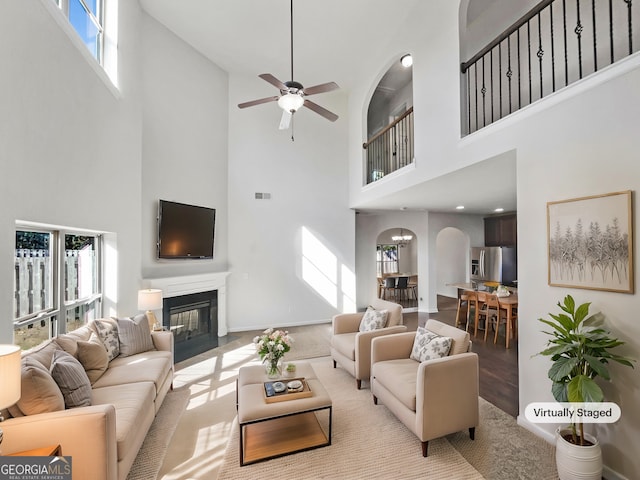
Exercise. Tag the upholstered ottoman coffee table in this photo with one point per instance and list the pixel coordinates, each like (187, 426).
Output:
(270, 427)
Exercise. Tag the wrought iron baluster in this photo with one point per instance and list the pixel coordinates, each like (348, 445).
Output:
(630, 26)
(578, 32)
(492, 95)
(468, 101)
(553, 50)
(566, 47)
(509, 71)
(540, 53)
(519, 73)
(484, 95)
(475, 81)
(529, 56)
(500, 80)
(611, 30)
(595, 45)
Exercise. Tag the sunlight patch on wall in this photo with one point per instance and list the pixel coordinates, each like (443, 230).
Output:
(322, 271)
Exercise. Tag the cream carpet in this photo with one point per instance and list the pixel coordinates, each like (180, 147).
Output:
(149, 459)
(368, 442)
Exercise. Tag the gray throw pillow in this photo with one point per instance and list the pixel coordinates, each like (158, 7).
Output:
(373, 319)
(428, 345)
(134, 334)
(72, 380)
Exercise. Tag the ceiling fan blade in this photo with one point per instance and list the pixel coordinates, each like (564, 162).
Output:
(285, 120)
(273, 81)
(322, 88)
(332, 117)
(258, 102)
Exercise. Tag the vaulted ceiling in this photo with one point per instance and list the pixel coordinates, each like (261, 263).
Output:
(252, 37)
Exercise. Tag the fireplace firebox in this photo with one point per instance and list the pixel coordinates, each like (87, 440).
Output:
(193, 320)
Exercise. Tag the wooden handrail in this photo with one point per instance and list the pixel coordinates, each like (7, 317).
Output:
(387, 128)
(521, 21)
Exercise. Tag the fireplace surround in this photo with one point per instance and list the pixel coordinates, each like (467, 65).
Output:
(194, 309)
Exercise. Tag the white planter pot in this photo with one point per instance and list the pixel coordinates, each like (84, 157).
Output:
(575, 462)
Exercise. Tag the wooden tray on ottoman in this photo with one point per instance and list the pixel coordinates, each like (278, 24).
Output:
(271, 397)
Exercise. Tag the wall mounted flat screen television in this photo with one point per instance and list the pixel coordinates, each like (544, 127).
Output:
(185, 231)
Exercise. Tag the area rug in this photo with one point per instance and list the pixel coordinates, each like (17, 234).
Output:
(149, 459)
(367, 442)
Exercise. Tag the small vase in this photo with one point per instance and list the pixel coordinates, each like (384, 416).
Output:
(273, 367)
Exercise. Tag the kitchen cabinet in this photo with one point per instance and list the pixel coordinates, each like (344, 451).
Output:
(501, 231)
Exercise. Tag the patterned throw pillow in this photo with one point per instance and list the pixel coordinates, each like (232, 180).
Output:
(134, 335)
(70, 376)
(107, 331)
(373, 319)
(428, 345)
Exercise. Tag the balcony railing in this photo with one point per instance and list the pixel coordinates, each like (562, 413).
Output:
(391, 148)
(555, 44)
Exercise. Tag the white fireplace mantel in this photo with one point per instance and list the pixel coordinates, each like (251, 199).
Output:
(187, 284)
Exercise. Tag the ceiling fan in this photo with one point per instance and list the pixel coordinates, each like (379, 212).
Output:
(293, 94)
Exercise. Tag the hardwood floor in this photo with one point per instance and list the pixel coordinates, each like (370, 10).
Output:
(498, 365)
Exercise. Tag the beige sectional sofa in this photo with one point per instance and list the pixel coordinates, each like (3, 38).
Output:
(100, 425)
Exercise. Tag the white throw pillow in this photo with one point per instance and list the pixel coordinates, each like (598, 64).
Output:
(373, 319)
(428, 345)
(134, 334)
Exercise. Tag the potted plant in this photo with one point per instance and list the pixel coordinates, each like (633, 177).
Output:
(290, 370)
(580, 351)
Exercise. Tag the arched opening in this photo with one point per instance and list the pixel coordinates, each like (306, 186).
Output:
(389, 144)
(397, 266)
(452, 252)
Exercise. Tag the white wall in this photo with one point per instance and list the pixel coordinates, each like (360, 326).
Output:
(270, 283)
(577, 142)
(69, 147)
(184, 142)
(452, 260)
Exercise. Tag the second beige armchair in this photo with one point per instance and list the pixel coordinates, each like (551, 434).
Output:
(351, 348)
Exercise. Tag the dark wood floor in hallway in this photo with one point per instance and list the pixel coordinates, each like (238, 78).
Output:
(498, 365)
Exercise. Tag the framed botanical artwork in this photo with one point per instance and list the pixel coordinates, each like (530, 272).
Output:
(590, 242)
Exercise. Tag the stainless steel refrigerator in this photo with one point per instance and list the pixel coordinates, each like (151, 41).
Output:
(494, 264)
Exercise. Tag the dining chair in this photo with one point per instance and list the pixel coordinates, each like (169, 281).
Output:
(472, 302)
(511, 328)
(389, 286)
(463, 309)
(413, 286)
(490, 311)
(402, 287)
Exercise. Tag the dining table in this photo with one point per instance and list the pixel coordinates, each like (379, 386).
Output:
(509, 302)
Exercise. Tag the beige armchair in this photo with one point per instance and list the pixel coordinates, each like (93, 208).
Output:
(432, 398)
(351, 348)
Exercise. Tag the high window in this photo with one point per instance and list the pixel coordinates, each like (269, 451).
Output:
(387, 259)
(57, 283)
(87, 18)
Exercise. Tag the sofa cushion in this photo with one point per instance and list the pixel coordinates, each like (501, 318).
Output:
(69, 341)
(93, 357)
(72, 380)
(399, 377)
(373, 319)
(152, 366)
(43, 353)
(107, 330)
(345, 343)
(39, 393)
(134, 404)
(428, 345)
(134, 335)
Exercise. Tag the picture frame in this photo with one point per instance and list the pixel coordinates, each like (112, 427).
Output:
(590, 242)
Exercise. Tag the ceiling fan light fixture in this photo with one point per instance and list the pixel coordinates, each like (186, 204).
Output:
(406, 60)
(290, 102)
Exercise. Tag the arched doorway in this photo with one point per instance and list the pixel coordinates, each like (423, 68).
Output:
(396, 258)
(452, 253)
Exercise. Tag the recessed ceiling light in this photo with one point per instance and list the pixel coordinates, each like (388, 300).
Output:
(460, 207)
(499, 209)
(406, 60)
